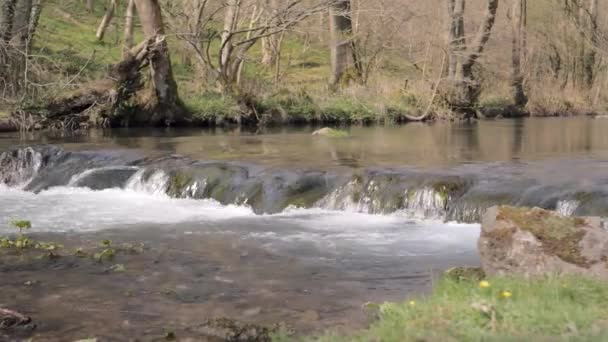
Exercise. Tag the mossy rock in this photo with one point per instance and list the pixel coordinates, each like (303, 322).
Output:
(178, 183)
(462, 274)
(559, 235)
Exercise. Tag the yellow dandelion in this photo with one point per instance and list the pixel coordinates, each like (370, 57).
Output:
(506, 294)
(412, 303)
(484, 284)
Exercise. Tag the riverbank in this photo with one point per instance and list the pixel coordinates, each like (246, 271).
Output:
(294, 92)
(495, 309)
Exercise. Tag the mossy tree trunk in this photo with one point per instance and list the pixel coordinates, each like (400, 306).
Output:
(343, 49)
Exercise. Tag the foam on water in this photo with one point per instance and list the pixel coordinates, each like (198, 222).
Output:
(63, 209)
(81, 209)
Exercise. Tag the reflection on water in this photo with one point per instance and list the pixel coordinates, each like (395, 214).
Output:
(436, 145)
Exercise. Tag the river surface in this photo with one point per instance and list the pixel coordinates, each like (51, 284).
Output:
(238, 253)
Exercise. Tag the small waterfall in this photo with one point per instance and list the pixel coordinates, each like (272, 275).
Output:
(20, 166)
(567, 207)
(103, 177)
(153, 182)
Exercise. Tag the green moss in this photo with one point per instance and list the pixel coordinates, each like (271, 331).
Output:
(178, 183)
(459, 274)
(295, 107)
(341, 109)
(559, 235)
(212, 107)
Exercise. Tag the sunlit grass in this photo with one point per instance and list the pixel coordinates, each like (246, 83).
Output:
(497, 309)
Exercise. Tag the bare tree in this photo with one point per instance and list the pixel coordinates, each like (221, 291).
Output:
(107, 18)
(464, 89)
(344, 59)
(518, 27)
(221, 54)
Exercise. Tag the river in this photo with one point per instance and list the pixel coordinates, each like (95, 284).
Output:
(275, 225)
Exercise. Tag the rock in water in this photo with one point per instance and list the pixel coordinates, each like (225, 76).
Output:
(330, 132)
(534, 242)
(13, 321)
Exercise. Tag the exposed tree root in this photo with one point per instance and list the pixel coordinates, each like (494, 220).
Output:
(101, 102)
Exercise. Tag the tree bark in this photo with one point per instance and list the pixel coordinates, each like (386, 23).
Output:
(456, 39)
(90, 5)
(591, 37)
(128, 34)
(7, 16)
(518, 27)
(33, 25)
(343, 49)
(105, 21)
(464, 90)
(167, 108)
(231, 17)
(270, 44)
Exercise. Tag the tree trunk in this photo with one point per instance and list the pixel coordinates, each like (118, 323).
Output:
(34, 20)
(270, 44)
(591, 37)
(105, 21)
(463, 92)
(518, 25)
(128, 34)
(456, 39)
(18, 44)
(90, 5)
(344, 59)
(226, 76)
(21, 21)
(7, 15)
(167, 108)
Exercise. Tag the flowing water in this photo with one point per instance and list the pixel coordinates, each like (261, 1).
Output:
(275, 225)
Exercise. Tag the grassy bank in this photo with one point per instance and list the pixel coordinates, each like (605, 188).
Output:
(501, 309)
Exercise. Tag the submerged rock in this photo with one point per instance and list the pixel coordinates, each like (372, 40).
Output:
(14, 321)
(330, 132)
(533, 242)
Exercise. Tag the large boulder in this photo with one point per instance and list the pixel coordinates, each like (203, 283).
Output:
(533, 242)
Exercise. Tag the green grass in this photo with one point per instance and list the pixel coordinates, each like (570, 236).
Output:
(548, 309)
